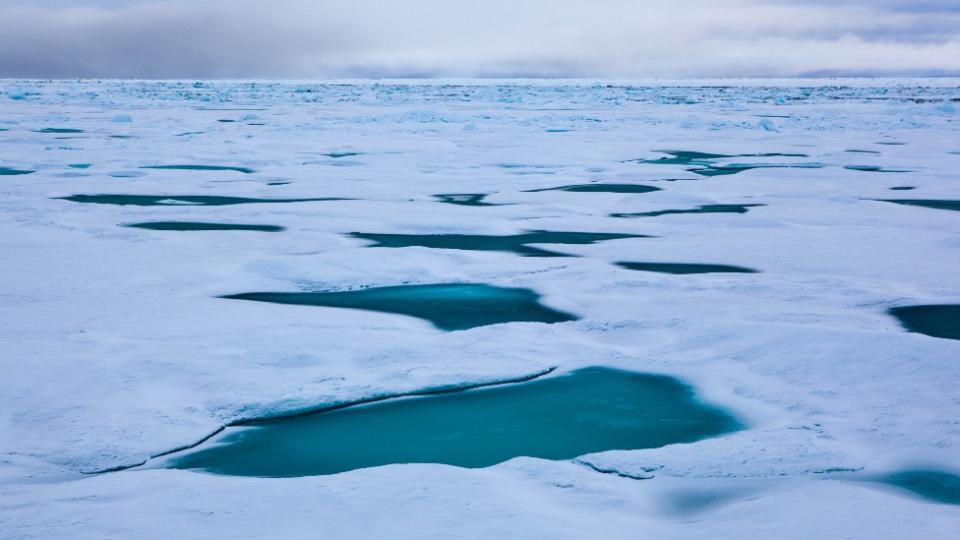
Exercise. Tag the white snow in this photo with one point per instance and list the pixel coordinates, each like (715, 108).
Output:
(114, 346)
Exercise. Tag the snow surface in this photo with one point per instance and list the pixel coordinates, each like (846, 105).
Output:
(115, 347)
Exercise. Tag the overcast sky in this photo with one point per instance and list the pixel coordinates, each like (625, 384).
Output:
(477, 38)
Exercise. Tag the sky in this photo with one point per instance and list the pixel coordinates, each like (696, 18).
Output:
(472, 38)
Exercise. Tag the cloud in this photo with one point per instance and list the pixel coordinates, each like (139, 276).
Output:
(574, 38)
(899, 5)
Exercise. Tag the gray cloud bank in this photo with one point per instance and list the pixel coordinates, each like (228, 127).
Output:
(494, 38)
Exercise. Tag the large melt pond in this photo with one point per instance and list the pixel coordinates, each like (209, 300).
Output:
(556, 417)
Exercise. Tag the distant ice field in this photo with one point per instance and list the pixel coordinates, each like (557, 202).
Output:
(787, 250)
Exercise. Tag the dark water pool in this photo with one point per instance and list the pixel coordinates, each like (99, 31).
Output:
(704, 209)
(938, 204)
(937, 320)
(7, 171)
(59, 130)
(704, 163)
(516, 243)
(936, 486)
(180, 200)
(244, 170)
(602, 188)
(465, 199)
(454, 306)
(873, 168)
(202, 226)
(685, 268)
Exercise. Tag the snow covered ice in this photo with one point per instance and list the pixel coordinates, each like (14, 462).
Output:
(775, 269)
